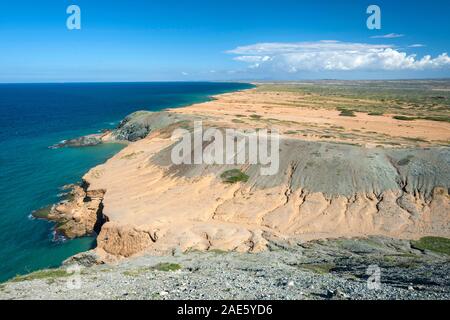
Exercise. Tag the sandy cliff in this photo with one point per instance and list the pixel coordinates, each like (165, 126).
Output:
(139, 201)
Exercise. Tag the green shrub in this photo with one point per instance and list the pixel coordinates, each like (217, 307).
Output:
(404, 118)
(320, 268)
(404, 161)
(233, 176)
(347, 113)
(42, 274)
(136, 272)
(437, 118)
(435, 244)
(165, 266)
(42, 213)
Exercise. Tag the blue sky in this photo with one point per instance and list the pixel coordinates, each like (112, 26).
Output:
(222, 40)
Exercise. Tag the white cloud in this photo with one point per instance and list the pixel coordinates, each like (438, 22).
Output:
(417, 45)
(389, 36)
(184, 73)
(253, 59)
(287, 47)
(330, 55)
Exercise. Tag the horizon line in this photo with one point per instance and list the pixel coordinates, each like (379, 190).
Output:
(230, 81)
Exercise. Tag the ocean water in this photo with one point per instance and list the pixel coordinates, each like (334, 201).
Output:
(36, 116)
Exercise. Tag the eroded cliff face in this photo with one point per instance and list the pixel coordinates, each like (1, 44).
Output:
(234, 226)
(80, 216)
(322, 190)
(139, 201)
(124, 240)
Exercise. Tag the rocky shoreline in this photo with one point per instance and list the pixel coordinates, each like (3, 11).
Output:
(80, 212)
(79, 215)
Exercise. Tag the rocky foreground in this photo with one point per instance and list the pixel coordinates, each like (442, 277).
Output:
(335, 269)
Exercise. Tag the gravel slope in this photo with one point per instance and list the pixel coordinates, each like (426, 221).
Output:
(334, 269)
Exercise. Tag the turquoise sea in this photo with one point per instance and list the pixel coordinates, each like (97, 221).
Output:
(36, 116)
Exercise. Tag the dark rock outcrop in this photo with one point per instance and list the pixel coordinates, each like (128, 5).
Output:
(139, 124)
(84, 141)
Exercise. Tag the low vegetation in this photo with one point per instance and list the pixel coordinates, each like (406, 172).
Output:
(132, 155)
(434, 244)
(164, 267)
(404, 118)
(42, 213)
(405, 161)
(322, 268)
(347, 113)
(407, 100)
(436, 118)
(233, 176)
(430, 118)
(167, 267)
(49, 274)
(136, 272)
